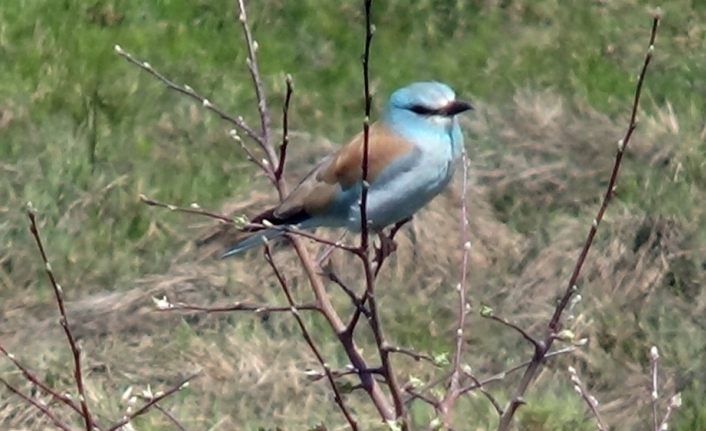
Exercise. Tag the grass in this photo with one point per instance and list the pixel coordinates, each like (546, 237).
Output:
(82, 134)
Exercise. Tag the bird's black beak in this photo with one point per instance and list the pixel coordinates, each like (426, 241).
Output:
(456, 107)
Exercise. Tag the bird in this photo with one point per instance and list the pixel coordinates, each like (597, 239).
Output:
(412, 150)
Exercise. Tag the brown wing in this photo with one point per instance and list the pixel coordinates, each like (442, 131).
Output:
(346, 165)
(340, 171)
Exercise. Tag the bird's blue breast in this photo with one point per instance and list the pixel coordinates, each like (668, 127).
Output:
(410, 182)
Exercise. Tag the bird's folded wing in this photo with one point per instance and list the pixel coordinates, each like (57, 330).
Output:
(342, 170)
(346, 166)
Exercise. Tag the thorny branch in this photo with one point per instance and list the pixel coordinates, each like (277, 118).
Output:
(571, 289)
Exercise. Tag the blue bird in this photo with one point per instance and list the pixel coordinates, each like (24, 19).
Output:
(411, 155)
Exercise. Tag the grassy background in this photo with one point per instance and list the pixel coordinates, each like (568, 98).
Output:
(82, 133)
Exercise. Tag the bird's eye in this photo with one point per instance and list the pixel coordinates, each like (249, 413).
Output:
(422, 110)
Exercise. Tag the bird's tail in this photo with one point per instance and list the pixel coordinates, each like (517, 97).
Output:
(253, 240)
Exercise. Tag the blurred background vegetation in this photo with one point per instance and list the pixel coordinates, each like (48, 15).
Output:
(82, 134)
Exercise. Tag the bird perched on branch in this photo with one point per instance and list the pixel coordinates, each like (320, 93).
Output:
(411, 155)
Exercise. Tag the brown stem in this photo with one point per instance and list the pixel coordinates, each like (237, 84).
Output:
(310, 341)
(555, 322)
(502, 375)
(37, 404)
(453, 390)
(238, 306)
(186, 90)
(257, 83)
(151, 403)
(30, 377)
(285, 128)
(64, 322)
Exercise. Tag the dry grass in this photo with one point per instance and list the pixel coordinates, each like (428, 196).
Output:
(539, 167)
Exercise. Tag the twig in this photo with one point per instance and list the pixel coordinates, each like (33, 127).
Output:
(367, 4)
(37, 404)
(164, 305)
(654, 395)
(530, 339)
(170, 417)
(363, 251)
(412, 354)
(312, 345)
(589, 399)
(674, 403)
(257, 82)
(453, 391)
(420, 396)
(186, 90)
(488, 395)
(194, 209)
(152, 402)
(30, 377)
(63, 321)
(285, 128)
(501, 376)
(357, 302)
(554, 324)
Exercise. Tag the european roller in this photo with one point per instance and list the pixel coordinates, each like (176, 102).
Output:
(412, 151)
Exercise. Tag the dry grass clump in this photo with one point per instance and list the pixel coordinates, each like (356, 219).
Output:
(539, 166)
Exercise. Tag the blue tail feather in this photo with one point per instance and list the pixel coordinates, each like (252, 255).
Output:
(253, 241)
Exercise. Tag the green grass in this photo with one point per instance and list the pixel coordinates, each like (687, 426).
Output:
(83, 133)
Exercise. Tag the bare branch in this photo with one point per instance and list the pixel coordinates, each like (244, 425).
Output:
(367, 4)
(453, 391)
(654, 395)
(63, 321)
(32, 378)
(257, 82)
(194, 209)
(152, 402)
(589, 399)
(488, 395)
(530, 339)
(555, 322)
(285, 128)
(310, 341)
(503, 374)
(412, 354)
(170, 417)
(186, 90)
(674, 403)
(164, 305)
(37, 404)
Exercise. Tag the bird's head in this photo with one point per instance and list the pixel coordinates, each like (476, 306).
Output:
(429, 103)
